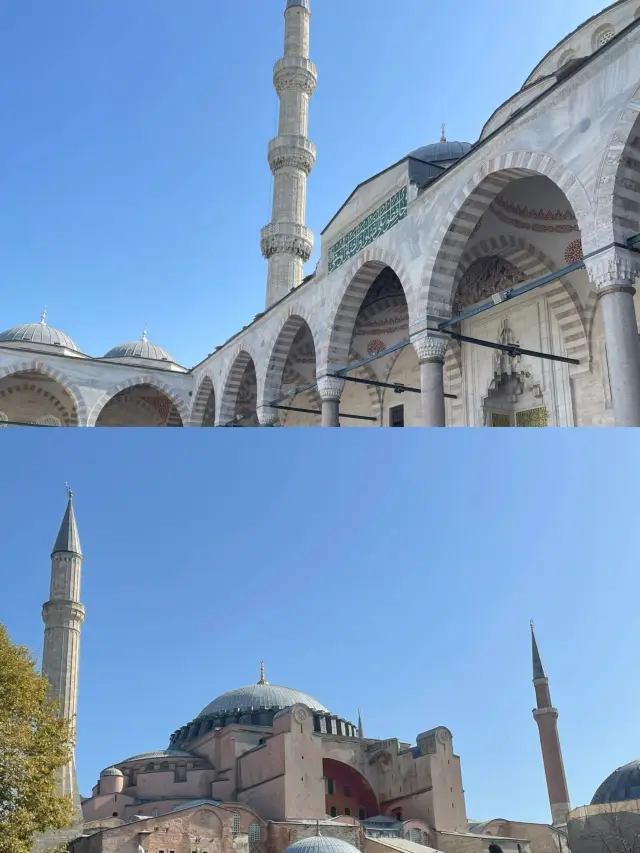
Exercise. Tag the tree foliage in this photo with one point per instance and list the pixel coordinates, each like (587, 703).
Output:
(35, 745)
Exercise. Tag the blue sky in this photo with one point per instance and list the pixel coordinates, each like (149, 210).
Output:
(134, 137)
(398, 576)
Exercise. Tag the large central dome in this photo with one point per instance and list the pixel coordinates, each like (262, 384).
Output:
(260, 695)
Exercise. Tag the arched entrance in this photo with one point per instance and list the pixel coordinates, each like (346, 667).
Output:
(373, 315)
(292, 364)
(204, 407)
(516, 225)
(139, 406)
(347, 792)
(32, 397)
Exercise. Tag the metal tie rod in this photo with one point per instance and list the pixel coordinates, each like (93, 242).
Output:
(513, 349)
(398, 387)
(319, 412)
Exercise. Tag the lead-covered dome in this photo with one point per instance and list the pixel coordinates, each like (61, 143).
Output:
(110, 771)
(260, 695)
(142, 348)
(39, 333)
(321, 844)
(623, 784)
(442, 152)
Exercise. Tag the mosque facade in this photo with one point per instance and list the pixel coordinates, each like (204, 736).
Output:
(262, 767)
(486, 284)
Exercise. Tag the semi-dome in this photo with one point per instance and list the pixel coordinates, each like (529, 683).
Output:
(623, 784)
(321, 844)
(260, 695)
(441, 152)
(110, 771)
(39, 333)
(142, 348)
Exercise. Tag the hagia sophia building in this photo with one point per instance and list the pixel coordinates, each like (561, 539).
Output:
(262, 769)
(487, 283)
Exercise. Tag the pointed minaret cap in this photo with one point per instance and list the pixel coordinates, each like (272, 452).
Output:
(68, 541)
(360, 726)
(538, 669)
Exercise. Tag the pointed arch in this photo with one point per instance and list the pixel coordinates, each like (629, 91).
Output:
(360, 275)
(35, 365)
(242, 360)
(560, 295)
(133, 382)
(203, 411)
(617, 202)
(295, 321)
(470, 204)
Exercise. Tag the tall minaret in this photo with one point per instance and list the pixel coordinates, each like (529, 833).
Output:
(63, 616)
(287, 243)
(546, 716)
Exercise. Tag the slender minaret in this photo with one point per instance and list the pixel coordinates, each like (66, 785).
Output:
(546, 716)
(63, 616)
(287, 243)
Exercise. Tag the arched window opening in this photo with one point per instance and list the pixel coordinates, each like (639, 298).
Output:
(333, 811)
(397, 813)
(254, 837)
(347, 811)
(362, 814)
(236, 823)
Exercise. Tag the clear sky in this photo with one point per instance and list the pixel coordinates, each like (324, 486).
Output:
(389, 571)
(134, 137)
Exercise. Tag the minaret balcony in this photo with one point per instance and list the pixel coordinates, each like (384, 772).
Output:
(286, 238)
(295, 72)
(295, 152)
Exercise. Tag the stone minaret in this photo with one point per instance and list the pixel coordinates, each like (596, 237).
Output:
(546, 716)
(63, 616)
(287, 243)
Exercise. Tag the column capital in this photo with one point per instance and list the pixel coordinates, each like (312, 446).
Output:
(430, 346)
(613, 268)
(268, 416)
(330, 387)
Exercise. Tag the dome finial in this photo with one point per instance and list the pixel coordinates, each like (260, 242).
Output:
(443, 138)
(43, 317)
(143, 336)
(263, 680)
(69, 492)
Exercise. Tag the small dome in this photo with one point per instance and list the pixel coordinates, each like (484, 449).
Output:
(110, 771)
(442, 152)
(321, 844)
(623, 784)
(140, 349)
(39, 333)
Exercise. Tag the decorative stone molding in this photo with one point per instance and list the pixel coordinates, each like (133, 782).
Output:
(330, 387)
(268, 416)
(613, 268)
(295, 72)
(430, 346)
(295, 152)
(286, 238)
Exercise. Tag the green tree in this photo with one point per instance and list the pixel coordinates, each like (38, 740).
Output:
(35, 745)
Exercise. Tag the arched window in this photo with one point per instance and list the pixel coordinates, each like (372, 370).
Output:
(236, 823)
(254, 837)
(333, 811)
(362, 814)
(605, 38)
(347, 811)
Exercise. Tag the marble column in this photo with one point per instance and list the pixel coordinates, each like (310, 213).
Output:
(431, 348)
(330, 389)
(268, 416)
(613, 273)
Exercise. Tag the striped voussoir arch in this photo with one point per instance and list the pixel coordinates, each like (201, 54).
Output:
(344, 312)
(231, 384)
(453, 383)
(79, 414)
(618, 197)
(204, 404)
(295, 320)
(560, 295)
(468, 207)
(134, 382)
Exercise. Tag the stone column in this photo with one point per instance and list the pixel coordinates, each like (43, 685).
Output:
(431, 348)
(330, 389)
(268, 417)
(613, 273)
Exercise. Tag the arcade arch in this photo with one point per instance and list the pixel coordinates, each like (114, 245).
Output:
(240, 393)
(292, 364)
(347, 791)
(34, 397)
(203, 413)
(139, 405)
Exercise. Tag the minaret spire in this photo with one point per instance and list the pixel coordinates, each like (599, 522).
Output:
(546, 716)
(286, 242)
(63, 616)
(360, 726)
